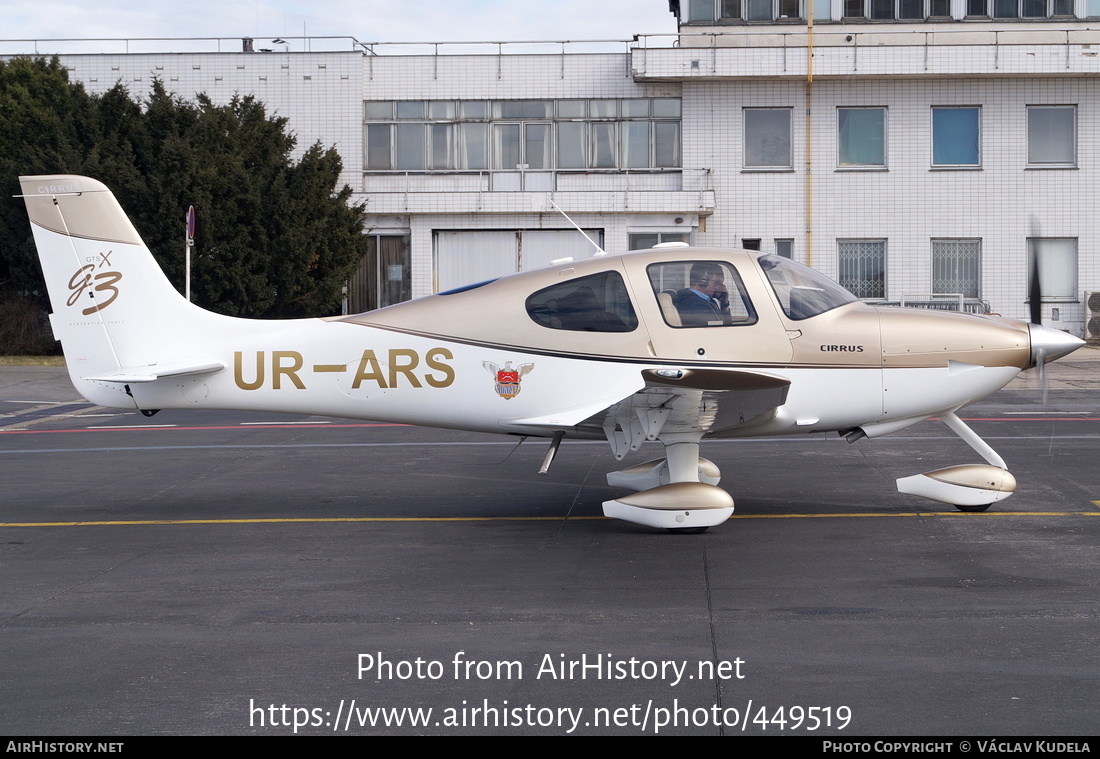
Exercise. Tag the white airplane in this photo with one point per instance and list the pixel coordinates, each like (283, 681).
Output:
(673, 344)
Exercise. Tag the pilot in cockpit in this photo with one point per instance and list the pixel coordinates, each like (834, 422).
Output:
(706, 302)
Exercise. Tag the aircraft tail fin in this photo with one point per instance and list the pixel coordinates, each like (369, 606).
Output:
(114, 311)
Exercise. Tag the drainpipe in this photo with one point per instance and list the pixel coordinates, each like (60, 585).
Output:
(809, 133)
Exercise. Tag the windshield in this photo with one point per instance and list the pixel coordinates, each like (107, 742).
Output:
(803, 292)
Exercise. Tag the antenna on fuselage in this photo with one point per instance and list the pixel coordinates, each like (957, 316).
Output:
(599, 251)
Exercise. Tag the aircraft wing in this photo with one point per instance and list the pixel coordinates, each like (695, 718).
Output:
(691, 401)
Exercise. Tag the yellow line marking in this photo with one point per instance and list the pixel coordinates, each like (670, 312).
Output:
(321, 520)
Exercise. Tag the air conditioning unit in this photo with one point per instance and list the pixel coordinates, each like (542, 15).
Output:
(1092, 315)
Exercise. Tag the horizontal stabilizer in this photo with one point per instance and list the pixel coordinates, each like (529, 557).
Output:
(159, 371)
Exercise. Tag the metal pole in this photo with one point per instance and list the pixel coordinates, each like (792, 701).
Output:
(189, 235)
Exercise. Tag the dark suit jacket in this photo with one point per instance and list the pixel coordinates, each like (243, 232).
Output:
(694, 311)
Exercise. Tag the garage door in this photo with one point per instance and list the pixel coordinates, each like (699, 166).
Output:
(462, 258)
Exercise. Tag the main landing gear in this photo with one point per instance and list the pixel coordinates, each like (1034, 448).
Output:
(678, 493)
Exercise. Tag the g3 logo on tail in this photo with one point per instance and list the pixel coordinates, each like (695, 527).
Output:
(103, 282)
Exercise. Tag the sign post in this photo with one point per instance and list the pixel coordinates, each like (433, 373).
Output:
(187, 251)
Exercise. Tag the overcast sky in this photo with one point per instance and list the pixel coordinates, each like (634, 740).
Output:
(366, 20)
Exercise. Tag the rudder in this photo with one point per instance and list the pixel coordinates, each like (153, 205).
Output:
(111, 302)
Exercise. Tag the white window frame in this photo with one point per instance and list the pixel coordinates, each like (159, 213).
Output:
(745, 140)
(839, 148)
(1071, 163)
(1058, 264)
(932, 134)
(702, 12)
(868, 8)
(417, 143)
(661, 236)
(1049, 8)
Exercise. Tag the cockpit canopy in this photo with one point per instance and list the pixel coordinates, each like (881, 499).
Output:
(802, 292)
(660, 303)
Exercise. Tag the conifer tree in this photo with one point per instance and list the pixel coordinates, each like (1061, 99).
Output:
(275, 237)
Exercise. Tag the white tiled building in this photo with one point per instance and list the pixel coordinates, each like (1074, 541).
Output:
(903, 147)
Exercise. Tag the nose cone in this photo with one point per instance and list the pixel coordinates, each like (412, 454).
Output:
(1051, 344)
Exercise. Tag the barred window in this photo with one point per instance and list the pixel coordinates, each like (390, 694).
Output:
(957, 267)
(862, 267)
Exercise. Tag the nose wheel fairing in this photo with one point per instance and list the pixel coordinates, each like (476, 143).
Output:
(969, 487)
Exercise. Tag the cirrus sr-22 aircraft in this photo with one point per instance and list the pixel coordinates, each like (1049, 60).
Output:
(672, 344)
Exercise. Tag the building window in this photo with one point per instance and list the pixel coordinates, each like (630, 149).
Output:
(785, 248)
(768, 138)
(956, 137)
(710, 11)
(525, 145)
(896, 10)
(384, 276)
(957, 267)
(409, 148)
(1051, 136)
(862, 267)
(889, 10)
(1057, 267)
(861, 138)
(1032, 8)
(536, 135)
(701, 10)
(644, 240)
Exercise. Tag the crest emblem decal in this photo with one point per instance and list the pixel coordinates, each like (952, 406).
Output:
(508, 378)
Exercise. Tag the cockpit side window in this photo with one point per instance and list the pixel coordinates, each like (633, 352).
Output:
(595, 303)
(802, 291)
(701, 294)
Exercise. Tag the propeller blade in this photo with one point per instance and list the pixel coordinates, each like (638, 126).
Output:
(1034, 288)
(1035, 292)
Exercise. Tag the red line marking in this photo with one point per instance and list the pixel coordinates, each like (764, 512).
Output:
(1028, 419)
(221, 427)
